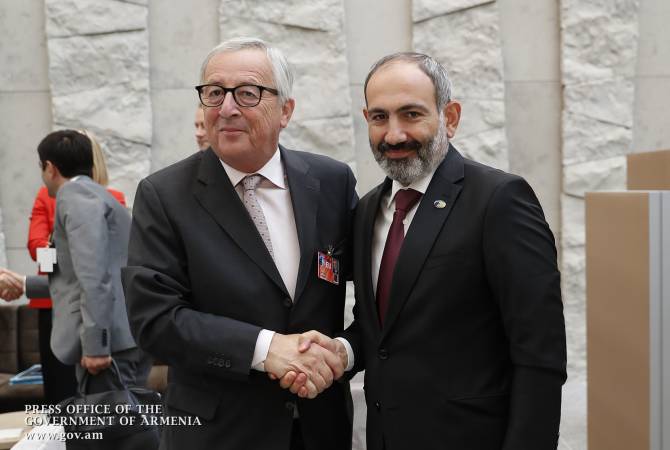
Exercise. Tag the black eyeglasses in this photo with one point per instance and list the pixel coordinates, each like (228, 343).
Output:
(246, 95)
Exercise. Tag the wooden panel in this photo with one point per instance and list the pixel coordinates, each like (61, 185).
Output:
(618, 340)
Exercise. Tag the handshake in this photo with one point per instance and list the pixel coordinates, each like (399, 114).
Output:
(307, 363)
(11, 285)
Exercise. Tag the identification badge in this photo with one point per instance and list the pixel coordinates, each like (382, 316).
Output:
(46, 258)
(328, 268)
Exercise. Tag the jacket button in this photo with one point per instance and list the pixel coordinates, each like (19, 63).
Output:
(383, 353)
(288, 302)
(378, 406)
(290, 406)
(227, 363)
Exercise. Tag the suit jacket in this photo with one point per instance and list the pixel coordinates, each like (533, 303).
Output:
(200, 285)
(91, 232)
(42, 225)
(472, 353)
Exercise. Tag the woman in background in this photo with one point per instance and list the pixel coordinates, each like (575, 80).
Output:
(59, 378)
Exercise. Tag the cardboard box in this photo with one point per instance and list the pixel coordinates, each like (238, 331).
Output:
(628, 320)
(648, 170)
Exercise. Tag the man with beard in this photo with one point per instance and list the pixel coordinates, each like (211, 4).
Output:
(458, 318)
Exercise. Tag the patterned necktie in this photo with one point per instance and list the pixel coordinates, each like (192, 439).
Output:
(405, 199)
(250, 183)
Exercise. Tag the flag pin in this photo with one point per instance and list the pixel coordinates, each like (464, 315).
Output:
(439, 204)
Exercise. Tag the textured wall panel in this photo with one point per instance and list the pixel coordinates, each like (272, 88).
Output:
(599, 48)
(465, 37)
(311, 35)
(3, 253)
(99, 77)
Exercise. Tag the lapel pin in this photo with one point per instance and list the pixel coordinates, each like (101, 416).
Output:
(439, 204)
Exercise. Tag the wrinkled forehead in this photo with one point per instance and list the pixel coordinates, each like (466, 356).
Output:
(247, 65)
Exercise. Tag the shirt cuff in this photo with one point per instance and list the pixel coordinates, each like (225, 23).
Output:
(261, 349)
(350, 353)
(24, 284)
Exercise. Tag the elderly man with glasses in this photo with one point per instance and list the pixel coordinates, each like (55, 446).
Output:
(234, 252)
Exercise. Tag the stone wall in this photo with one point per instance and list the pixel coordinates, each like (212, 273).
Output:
(3, 252)
(464, 36)
(99, 78)
(312, 36)
(599, 49)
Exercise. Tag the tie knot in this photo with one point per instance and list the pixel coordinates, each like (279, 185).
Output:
(251, 182)
(405, 199)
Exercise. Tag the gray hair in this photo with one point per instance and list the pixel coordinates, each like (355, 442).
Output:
(281, 69)
(435, 71)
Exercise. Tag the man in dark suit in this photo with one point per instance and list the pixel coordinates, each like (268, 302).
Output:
(234, 251)
(458, 318)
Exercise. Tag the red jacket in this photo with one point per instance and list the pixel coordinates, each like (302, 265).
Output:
(42, 225)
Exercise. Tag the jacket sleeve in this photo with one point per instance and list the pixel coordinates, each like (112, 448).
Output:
(40, 228)
(520, 258)
(163, 319)
(37, 286)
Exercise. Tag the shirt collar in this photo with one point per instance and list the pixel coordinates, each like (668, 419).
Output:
(273, 170)
(420, 185)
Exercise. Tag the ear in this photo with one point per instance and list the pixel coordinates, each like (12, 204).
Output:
(365, 114)
(452, 115)
(286, 112)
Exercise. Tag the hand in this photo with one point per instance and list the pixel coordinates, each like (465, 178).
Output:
(313, 365)
(11, 284)
(296, 381)
(95, 364)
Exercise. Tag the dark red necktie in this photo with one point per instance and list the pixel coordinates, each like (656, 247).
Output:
(405, 199)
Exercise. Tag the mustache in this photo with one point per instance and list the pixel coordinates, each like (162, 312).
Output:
(407, 145)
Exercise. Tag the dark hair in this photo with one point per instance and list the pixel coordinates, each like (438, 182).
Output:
(68, 150)
(435, 71)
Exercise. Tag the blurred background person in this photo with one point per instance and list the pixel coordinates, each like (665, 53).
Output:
(200, 133)
(59, 379)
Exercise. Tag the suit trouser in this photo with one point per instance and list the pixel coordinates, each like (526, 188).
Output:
(59, 379)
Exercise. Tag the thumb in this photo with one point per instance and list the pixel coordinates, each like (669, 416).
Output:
(304, 342)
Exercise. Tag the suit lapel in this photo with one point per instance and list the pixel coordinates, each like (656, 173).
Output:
(305, 198)
(425, 227)
(218, 197)
(369, 216)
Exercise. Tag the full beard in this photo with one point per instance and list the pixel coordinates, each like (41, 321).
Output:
(408, 170)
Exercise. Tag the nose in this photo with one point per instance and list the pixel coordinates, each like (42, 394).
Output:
(229, 106)
(200, 131)
(395, 133)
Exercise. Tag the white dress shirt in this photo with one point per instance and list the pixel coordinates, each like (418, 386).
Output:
(274, 197)
(382, 225)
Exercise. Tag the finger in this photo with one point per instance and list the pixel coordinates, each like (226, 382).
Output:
(319, 381)
(287, 380)
(303, 344)
(317, 338)
(310, 390)
(326, 374)
(299, 382)
(272, 376)
(334, 363)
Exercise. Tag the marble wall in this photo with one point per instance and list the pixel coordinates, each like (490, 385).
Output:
(321, 120)
(464, 35)
(599, 50)
(99, 80)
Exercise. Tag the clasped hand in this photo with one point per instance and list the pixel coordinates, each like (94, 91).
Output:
(11, 285)
(307, 364)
